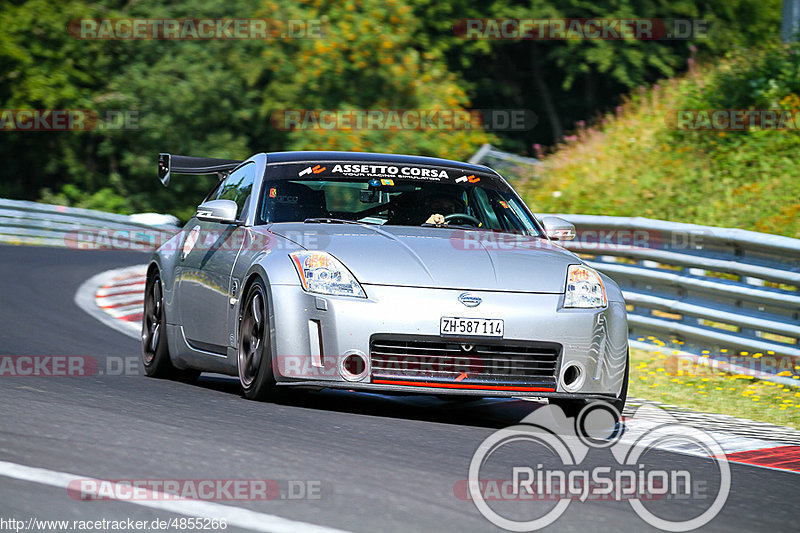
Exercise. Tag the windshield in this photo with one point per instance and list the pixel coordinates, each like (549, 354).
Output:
(423, 197)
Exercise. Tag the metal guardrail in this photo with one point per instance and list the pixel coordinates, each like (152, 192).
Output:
(515, 168)
(33, 223)
(701, 289)
(695, 288)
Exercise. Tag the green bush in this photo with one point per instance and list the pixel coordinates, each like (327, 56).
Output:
(637, 164)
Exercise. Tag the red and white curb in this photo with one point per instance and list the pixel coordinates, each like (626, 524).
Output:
(122, 296)
(744, 441)
(116, 298)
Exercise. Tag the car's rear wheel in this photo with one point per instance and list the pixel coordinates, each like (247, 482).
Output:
(572, 408)
(255, 353)
(155, 348)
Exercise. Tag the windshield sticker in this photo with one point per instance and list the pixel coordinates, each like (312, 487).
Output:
(420, 173)
(471, 178)
(273, 192)
(315, 169)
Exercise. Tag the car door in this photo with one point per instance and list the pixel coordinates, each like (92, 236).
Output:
(207, 258)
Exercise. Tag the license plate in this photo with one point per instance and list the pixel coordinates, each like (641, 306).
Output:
(478, 327)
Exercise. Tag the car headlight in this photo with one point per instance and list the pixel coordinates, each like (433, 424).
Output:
(322, 273)
(584, 288)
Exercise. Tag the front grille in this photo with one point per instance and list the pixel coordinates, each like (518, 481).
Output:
(479, 362)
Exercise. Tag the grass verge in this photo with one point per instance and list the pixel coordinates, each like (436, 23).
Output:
(655, 376)
(638, 161)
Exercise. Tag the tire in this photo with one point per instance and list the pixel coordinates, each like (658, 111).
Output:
(155, 348)
(254, 360)
(571, 408)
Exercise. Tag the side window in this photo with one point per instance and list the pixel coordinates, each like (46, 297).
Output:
(238, 186)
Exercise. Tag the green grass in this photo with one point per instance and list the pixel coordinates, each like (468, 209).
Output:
(634, 163)
(656, 376)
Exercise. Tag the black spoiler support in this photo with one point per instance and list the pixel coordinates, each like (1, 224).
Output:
(184, 164)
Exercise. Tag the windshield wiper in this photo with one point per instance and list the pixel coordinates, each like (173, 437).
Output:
(326, 220)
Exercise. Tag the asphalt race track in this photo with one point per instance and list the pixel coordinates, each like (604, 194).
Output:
(378, 463)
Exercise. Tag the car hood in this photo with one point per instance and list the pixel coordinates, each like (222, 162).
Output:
(438, 257)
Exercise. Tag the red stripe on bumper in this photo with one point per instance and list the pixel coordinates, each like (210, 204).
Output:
(462, 386)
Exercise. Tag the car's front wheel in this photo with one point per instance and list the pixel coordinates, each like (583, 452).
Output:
(155, 349)
(255, 354)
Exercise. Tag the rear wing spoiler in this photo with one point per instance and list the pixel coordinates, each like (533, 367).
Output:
(184, 164)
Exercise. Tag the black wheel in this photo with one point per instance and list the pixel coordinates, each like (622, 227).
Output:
(255, 355)
(572, 408)
(155, 350)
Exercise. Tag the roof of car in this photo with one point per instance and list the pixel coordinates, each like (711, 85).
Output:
(296, 157)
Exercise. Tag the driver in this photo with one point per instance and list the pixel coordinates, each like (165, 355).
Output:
(441, 204)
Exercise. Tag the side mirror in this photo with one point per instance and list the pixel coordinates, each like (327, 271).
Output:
(558, 229)
(222, 211)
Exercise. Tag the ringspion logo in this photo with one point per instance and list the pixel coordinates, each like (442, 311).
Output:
(542, 460)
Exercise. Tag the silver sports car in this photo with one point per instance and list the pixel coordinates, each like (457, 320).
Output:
(382, 273)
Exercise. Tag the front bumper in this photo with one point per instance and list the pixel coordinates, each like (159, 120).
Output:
(312, 334)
